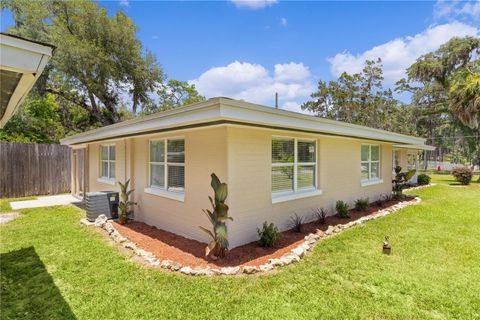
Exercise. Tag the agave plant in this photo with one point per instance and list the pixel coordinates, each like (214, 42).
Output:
(218, 217)
(125, 205)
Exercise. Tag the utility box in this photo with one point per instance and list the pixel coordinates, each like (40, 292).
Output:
(102, 202)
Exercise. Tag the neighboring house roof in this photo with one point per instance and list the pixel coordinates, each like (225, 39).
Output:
(21, 63)
(221, 110)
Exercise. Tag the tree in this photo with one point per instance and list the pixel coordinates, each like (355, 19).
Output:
(464, 95)
(174, 94)
(97, 60)
(433, 76)
(36, 122)
(438, 82)
(357, 98)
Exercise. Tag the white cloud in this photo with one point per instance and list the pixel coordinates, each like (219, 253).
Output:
(291, 72)
(400, 53)
(283, 22)
(452, 10)
(253, 4)
(124, 3)
(254, 83)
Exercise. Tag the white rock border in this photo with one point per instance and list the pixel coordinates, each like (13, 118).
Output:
(421, 187)
(297, 253)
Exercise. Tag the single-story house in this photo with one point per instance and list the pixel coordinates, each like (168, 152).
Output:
(21, 64)
(275, 162)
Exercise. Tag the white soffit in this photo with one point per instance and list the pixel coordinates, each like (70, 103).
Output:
(21, 62)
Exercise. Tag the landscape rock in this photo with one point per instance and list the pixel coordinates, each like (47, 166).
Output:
(329, 230)
(130, 245)
(166, 264)
(186, 270)
(250, 269)
(266, 267)
(320, 233)
(175, 266)
(101, 220)
(290, 258)
(300, 250)
(199, 271)
(229, 270)
(108, 227)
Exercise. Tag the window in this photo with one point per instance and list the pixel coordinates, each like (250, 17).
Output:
(370, 164)
(107, 162)
(293, 165)
(167, 164)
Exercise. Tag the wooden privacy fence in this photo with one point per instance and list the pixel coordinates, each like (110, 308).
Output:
(33, 169)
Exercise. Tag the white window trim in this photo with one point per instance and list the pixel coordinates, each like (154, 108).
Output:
(107, 179)
(179, 196)
(376, 180)
(366, 183)
(297, 193)
(159, 191)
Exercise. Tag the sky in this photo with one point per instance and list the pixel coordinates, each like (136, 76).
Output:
(251, 49)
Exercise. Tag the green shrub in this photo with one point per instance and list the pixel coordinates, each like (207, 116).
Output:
(463, 175)
(342, 209)
(268, 235)
(423, 179)
(361, 204)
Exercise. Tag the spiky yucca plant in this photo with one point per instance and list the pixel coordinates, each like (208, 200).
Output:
(218, 217)
(125, 205)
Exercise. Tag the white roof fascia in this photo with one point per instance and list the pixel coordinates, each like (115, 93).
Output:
(217, 109)
(241, 111)
(181, 117)
(414, 147)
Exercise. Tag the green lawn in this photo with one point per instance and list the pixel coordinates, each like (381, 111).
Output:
(54, 268)
(5, 203)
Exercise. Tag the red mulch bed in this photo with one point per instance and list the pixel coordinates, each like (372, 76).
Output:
(166, 245)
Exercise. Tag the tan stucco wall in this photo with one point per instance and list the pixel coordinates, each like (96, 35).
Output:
(205, 152)
(249, 172)
(241, 157)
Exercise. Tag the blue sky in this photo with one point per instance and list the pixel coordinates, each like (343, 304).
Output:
(252, 49)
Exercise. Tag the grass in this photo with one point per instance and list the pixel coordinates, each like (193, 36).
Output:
(5, 203)
(447, 179)
(54, 268)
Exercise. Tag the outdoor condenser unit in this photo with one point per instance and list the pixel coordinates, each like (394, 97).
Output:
(102, 202)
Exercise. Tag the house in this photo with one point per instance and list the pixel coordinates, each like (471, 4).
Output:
(21, 64)
(275, 162)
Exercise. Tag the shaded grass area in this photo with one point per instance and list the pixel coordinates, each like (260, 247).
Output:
(432, 274)
(5, 203)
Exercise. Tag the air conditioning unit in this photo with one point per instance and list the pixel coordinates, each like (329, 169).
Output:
(102, 202)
